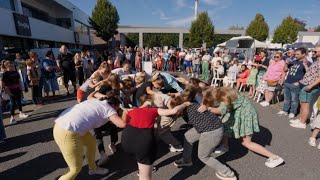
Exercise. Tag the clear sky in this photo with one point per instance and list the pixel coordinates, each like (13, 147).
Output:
(223, 13)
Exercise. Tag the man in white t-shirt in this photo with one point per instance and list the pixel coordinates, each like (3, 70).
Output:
(71, 133)
(188, 61)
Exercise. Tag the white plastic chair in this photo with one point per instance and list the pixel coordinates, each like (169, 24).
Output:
(241, 86)
(232, 79)
(259, 90)
(216, 78)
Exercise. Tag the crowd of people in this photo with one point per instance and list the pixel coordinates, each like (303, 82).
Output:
(115, 93)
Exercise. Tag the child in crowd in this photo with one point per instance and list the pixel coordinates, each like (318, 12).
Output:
(251, 81)
(240, 120)
(11, 83)
(316, 125)
(34, 79)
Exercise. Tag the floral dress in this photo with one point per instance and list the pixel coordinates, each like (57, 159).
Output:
(242, 119)
(252, 79)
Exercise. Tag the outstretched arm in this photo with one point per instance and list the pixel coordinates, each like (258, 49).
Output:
(177, 109)
(118, 121)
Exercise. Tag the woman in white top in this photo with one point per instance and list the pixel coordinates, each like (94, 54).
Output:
(71, 133)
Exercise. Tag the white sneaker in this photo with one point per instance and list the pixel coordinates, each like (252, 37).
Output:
(312, 142)
(13, 121)
(176, 149)
(291, 116)
(221, 149)
(197, 75)
(192, 75)
(264, 104)
(113, 148)
(98, 171)
(274, 162)
(282, 113)
(188, 74)
(226, 177)
(319, 146)
(299, 125)
(23, 115)
(294, 121)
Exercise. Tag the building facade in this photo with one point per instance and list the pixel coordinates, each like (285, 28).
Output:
(28, 24)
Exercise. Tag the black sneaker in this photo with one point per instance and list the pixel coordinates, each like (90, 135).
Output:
(181, 163)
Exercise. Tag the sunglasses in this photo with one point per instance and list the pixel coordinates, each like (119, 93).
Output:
(276, 56)
(315, 51)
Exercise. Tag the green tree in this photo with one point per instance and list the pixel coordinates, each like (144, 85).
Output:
(286, 32)
(186, 40)
(132, 39)
(169, 39)
(236, 27)
(104, 19)
(151, 40)
(317, 29)
(201, 30)
(301, 24)
(258, 28)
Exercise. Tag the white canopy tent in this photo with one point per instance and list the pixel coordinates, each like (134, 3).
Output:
(234, 42)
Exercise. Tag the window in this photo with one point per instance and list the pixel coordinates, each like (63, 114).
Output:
(81, 28)
(35, 13)
(44, 16)
(7, 4)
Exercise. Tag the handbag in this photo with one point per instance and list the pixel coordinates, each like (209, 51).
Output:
(272, 83)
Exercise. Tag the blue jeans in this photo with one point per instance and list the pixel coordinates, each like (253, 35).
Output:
(166, 65)
(2, 130)
(291, 98)
(196, 68)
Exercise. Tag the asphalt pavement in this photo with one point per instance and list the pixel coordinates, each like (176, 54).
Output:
(31, 153)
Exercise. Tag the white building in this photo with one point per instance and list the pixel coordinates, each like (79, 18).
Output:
(313, 37)
(27, 24)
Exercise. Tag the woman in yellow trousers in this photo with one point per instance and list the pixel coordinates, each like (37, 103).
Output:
(71, 133)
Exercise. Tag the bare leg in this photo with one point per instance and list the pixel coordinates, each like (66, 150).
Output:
(238, 85)
(304, 112)
(269, 96)
(145, 171)
(257, 148)
(315, 133)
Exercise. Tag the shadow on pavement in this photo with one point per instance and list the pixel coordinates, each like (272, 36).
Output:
(43, 116)
(27, 140)
(35, 168)
(11, 156)
(237, 151)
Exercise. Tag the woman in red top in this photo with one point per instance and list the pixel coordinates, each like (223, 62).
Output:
(138, 136)
(243, 76)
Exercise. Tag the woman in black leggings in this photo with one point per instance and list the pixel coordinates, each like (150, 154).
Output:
(12, 86)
